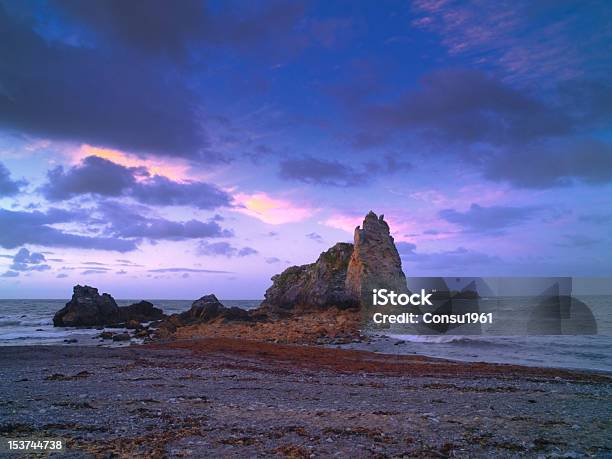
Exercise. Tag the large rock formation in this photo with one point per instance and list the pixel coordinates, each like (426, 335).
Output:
(343, 276)
(317, 285)
(375, 262)
(88, 308)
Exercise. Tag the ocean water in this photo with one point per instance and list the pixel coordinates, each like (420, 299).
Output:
(586, 344)
(27, 322)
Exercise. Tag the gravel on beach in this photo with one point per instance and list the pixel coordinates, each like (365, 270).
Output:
(236, 398)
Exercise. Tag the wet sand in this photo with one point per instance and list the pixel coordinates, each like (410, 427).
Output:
(226, 397)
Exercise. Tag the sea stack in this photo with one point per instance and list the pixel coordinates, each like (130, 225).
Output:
(88, 308)
(343, 276)
(375, 262)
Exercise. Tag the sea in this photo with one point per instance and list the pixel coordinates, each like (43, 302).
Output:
(29, 322)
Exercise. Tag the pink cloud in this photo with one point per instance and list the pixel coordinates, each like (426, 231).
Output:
(271, 210)
(175, 169)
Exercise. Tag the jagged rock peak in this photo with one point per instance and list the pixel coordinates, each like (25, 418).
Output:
(375, 262)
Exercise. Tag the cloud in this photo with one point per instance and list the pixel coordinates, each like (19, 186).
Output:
(24, 260)
(94, 175)
(316, 171)
(315, 237)
(271, 210)
(187, 270)
(562, 46)
(578, 240)
(61, 276)
(454, 260)
(223, 249)
(467, 106)
(20, 228)
(488, 219)
(9, 274)
(102, 177)
(162, 191)
(175, 33)
(93, 271)
(553, 164)
(598, 219)
(272, 260)
(56, 89)
(9, 187)
(124, 221)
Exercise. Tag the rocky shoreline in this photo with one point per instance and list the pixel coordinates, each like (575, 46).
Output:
(319, 302)
(227, 397)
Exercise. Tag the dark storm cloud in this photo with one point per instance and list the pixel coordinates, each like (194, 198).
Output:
(8, 187)
(488, 219)
(468, 106)
(454, 260)
(94, 175)
(223, 249)
(126, 221)
(102, 177)
(548, 165)
(19, 228)
(110, 97)
(153, 27)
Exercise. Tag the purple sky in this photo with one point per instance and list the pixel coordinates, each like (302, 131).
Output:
(171, 152)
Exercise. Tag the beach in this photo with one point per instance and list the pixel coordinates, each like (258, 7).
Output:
(226, 397)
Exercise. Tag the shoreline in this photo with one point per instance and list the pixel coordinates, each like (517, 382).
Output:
(230, 397)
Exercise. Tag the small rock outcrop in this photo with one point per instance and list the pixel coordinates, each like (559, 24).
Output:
(209, 308)
(314, 286)
(88, 308)
(375, 262)
(343, 276)
(204, 310)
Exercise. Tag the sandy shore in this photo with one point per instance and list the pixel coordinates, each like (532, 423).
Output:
(224, 397)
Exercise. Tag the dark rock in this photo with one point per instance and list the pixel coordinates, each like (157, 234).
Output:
(142, 333)
(142, 311)
(106, 335)
(132, 324)
(317, 285)
(206, 309)
(209, 308)
(71, 340)
(121, 337)
(88, 308)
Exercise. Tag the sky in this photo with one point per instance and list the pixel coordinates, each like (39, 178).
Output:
(171, 150)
